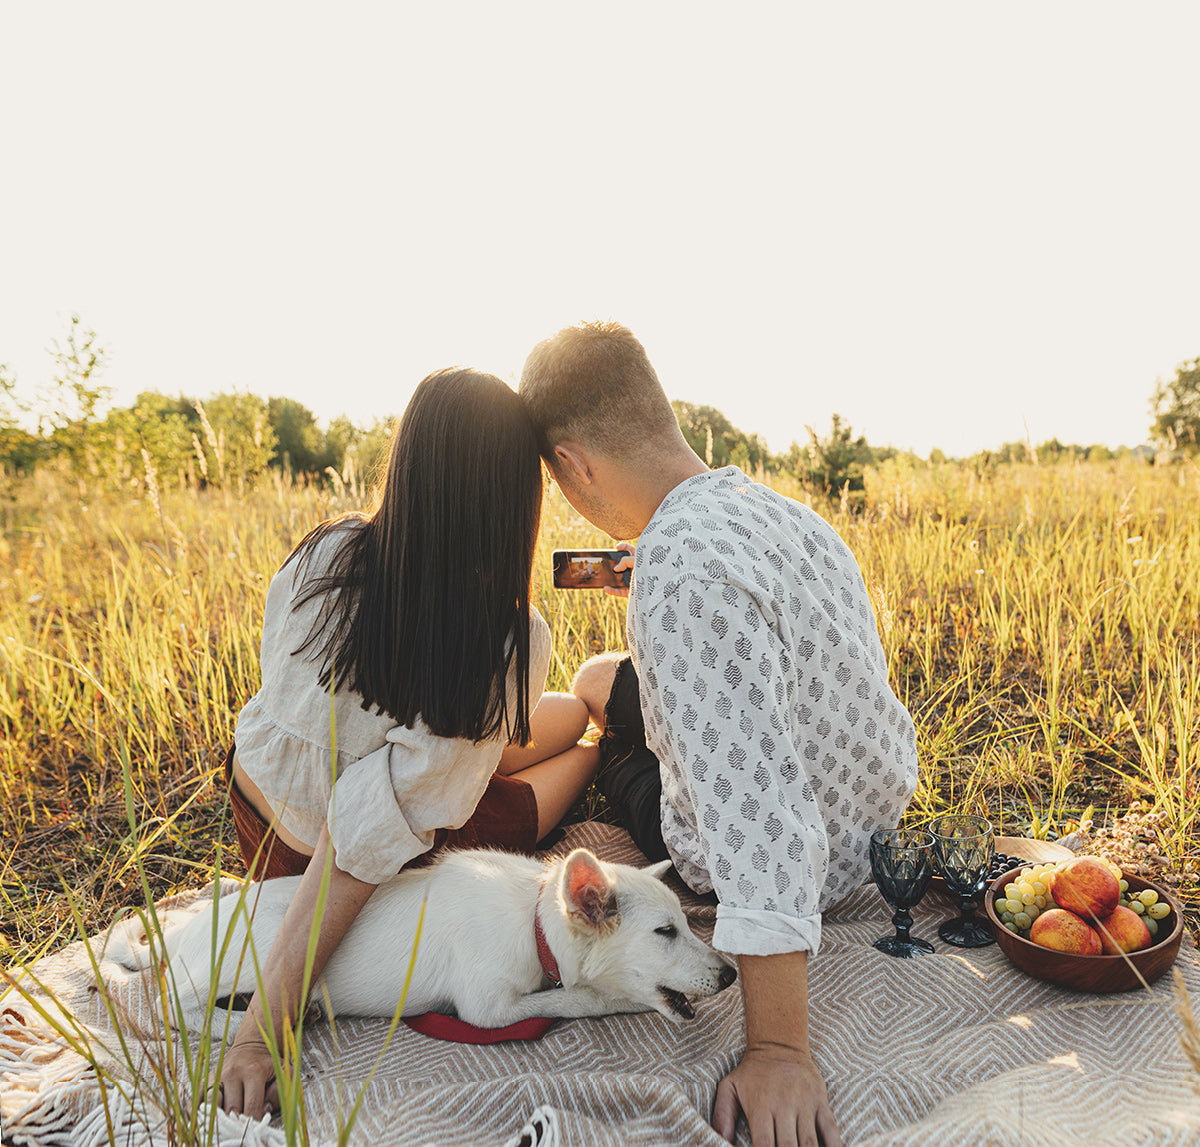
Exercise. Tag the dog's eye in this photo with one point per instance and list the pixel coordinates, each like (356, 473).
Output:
(667, 930)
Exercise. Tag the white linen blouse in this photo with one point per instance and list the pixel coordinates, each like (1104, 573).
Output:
(387, 788)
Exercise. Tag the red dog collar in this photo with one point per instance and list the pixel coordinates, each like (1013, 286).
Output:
(457, 1031)
(545, 956)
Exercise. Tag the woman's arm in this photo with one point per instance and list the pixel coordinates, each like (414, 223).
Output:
(248, 1074)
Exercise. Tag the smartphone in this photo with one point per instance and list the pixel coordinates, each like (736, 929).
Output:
(589, 569)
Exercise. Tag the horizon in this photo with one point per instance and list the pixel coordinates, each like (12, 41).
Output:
(29, 422)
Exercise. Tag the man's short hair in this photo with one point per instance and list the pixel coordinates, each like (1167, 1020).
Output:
(593, 384)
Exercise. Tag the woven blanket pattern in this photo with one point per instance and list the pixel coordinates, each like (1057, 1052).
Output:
(954, 1048)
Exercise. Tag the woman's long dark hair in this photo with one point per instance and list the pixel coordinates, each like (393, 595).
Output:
(427, 602)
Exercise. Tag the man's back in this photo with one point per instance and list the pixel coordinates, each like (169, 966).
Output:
(764, 690)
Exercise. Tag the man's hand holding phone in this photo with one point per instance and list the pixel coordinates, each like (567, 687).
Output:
(608, 570)
(625, 564)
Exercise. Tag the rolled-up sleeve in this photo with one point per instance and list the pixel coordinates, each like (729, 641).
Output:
(386, 807)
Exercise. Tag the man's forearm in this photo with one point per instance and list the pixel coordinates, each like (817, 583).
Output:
(777, 1086)
(775, 993)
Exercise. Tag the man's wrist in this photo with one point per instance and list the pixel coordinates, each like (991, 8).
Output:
(776, 1050)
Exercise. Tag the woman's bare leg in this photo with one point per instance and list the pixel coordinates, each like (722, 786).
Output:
(559, 782)
(594, 682)
(556, 724)
(554, 764)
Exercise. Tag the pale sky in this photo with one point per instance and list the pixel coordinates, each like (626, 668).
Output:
(940, 220)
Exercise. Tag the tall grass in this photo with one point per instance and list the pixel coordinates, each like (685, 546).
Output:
(1042, 625)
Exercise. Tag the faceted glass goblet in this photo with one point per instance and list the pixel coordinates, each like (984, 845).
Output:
(962, 850)
(902, 864)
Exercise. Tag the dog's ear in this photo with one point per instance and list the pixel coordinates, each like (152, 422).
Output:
(589, 894)
(658, 871)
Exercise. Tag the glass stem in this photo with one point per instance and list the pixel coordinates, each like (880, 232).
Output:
(902, 922)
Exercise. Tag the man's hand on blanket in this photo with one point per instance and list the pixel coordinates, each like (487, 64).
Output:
(248, 1079)
(782, 1097)
(776, 1086)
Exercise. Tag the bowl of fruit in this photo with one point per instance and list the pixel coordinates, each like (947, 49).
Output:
(1083, 924)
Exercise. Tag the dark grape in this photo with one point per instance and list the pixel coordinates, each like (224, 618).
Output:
(1002, 863)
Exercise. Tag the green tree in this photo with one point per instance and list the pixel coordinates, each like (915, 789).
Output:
(299, 444)
(341, 440)
(76, 396)
(836, 462)
(19, 449)
(718, 441)
(164, 428)
(369, 451)
(1176, 410)
(238, 439)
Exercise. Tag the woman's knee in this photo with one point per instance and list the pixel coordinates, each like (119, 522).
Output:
(561, 718)
(556, 724)
(593, 683)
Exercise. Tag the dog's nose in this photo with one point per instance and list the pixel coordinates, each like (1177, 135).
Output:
(727, 976)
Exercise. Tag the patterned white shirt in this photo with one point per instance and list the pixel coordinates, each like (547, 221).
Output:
(763, 685)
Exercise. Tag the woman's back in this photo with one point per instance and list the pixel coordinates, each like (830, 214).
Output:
(286, 735)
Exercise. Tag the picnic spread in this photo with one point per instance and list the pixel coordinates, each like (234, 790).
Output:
(955, 1047)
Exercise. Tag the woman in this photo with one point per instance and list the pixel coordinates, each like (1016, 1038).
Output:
(401, 705)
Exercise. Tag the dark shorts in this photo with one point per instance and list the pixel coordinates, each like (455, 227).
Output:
(506, 817)
(629, 777)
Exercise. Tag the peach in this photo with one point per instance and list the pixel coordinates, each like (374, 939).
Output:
(1085, 886)
(1065, 932)
(1123, 930)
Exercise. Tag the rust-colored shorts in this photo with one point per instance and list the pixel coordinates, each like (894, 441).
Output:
(506, 817)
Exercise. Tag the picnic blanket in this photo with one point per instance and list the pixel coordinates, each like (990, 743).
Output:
(957, 1047)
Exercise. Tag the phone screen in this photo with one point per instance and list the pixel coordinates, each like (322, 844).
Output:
(589, 569)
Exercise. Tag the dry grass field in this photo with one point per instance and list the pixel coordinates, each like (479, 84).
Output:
(1042, 625)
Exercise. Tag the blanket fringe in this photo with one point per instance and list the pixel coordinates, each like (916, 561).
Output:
(542, 1130)
(51, 1096)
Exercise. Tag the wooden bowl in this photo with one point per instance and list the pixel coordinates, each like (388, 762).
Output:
(1091, 973)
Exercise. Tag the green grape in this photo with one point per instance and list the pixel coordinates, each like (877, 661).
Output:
(1159, 911)
(1148, 896)
(1123, 884)
(1138, 907)
(1152, 925)
(1012, 892)
(1022, 920)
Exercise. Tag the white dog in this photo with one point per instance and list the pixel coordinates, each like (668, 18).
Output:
(500, 933)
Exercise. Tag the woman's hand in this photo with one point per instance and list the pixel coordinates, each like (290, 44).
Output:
(248, 1074)
(625, 563)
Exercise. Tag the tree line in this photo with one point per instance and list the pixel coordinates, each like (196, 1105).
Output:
(233, 438)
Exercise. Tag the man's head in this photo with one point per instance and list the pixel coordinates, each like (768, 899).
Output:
(606, 429)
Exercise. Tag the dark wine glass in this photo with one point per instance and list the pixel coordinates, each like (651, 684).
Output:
(901, 862)
(962, 850)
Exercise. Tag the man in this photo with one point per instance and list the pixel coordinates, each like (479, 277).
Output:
(773, 745)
